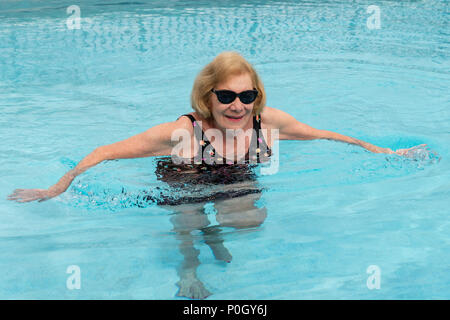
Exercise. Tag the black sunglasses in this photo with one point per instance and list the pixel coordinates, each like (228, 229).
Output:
(228, 96)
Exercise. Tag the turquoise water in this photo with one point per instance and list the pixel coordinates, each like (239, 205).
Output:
(333, 209)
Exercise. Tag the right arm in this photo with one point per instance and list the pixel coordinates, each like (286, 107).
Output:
(156, 141)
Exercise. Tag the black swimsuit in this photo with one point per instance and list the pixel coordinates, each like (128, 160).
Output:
(207, 154)
(207, 177)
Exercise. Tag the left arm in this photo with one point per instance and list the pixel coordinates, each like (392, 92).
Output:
(339, 137)
(292, 129)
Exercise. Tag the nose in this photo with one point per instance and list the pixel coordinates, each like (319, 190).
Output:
(236, 105)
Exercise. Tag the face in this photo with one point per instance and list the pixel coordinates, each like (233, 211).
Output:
(235, 115)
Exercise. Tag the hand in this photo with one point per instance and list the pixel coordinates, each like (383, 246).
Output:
(408, 151)
(27, 195)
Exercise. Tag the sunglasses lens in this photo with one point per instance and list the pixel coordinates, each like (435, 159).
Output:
(225, 96)
(248, 97)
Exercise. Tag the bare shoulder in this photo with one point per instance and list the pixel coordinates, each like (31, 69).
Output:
(168, 133)
(182, 123)
(166, 130)
(273, 118)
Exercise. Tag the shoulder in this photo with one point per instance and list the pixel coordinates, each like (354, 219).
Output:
(183, 122)
(172, 131)
(205, 124)
(166, 130)
(273, 118)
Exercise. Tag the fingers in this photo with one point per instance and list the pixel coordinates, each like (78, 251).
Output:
(419, 146)
(13, 196)
(413, 151)
(27, 195)
(26, 199)
(406, 150)
(400, 151)
(14, 193)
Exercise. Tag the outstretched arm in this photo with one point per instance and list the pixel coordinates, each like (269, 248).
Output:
(292, 129)
(153, 142)
(339, 137)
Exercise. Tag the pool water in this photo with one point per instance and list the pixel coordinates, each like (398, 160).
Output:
(333, 209)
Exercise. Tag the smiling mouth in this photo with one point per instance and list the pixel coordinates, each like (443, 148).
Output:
(234, 118)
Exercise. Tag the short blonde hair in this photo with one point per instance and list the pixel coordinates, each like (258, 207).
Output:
(223, 66)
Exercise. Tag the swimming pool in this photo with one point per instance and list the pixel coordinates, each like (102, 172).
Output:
(68, 86)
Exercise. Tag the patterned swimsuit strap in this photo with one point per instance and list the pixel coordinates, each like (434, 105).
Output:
(257, 128)
(199, 134)
(194, 124)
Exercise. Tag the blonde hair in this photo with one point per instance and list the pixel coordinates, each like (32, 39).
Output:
(223, 66)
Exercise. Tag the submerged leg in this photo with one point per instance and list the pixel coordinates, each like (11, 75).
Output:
(213, 239)
(189, 217)
(189, 285)
(240, 212)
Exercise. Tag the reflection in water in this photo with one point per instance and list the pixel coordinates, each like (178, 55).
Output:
(239, 212)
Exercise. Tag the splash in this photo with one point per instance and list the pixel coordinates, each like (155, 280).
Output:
(423, 153)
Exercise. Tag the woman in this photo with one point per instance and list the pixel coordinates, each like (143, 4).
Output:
(228, 99)
(228, 71)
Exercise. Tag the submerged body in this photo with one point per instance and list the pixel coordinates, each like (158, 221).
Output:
(207, 180)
